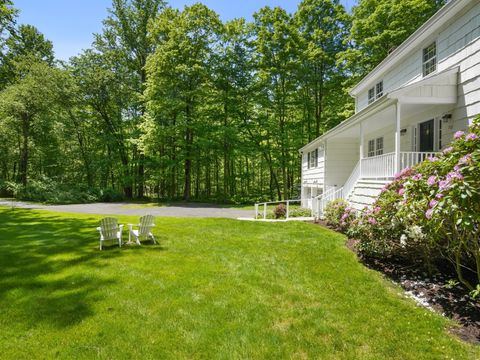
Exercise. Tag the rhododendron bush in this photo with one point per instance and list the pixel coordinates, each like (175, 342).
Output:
(430, 212)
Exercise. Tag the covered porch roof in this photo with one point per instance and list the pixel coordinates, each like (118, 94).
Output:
(437, 89)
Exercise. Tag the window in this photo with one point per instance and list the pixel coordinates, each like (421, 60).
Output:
(375, 147)
(313, 159)
(379, 89)
(375, 92)
(371, 148)
(430, 59)
(379, 149)
(371, 95)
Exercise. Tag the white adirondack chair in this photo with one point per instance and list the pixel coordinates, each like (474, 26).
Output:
(110, 230)
(144, 230)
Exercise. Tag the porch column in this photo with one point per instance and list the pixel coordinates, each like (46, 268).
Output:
(361, 149)
(397, 137)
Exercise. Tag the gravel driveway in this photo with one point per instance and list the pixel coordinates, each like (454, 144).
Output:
(174, 210)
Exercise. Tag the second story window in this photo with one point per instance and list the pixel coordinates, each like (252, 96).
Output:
(430, 59)
(375, 92)
(371, 95)
(379, 89)
(313, 159)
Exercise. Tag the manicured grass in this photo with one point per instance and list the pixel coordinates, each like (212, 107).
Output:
(213, 289)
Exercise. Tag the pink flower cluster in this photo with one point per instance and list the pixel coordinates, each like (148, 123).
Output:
(458, 134)
(403, 173)
(471, 137)
(467, 159)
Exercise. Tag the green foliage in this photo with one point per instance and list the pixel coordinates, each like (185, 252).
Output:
(379, 26)
(333, 212)
(278, 285)
(431, 211)
(299, 212)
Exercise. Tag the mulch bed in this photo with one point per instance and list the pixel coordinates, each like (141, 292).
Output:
(434, 291)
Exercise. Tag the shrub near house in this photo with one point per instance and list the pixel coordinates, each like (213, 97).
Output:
(430, 211)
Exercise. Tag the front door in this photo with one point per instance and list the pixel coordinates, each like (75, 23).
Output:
(426, 130)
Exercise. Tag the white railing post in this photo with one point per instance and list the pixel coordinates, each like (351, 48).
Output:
(256, 211)
(288, 205)
(361, 149)
(264, 211)
(397, 137)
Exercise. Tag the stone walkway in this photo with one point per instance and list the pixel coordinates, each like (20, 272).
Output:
(175, 210)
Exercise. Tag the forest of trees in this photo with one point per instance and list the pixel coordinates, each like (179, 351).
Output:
(176, 104)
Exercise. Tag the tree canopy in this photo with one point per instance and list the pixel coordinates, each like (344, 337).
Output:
(177, 104)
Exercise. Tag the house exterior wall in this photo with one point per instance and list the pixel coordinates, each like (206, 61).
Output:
(344, 154)
(313, 176)
(458, 44)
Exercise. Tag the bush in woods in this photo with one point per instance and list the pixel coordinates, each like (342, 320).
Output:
(280, 211)
(49, 191)
(429, 212)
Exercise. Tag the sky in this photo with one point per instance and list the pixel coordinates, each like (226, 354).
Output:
(69, 24)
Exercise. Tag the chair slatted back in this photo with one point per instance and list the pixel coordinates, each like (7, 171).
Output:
(109, 228)
(147, 222)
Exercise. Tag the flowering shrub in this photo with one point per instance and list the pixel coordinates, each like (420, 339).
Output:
(431, 211)
(280, 211)
(334, 213)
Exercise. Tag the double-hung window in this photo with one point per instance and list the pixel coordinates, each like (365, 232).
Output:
(379, 148)
(375, 92)
(313, 159)
(371, 148)
(375, 147)
(429, 59)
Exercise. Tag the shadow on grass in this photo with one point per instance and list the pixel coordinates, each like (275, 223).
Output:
(37, 254)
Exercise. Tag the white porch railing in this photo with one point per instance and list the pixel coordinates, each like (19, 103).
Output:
(383, 166)
(408, 159)
(380, 166)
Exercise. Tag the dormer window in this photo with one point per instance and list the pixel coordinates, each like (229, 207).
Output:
(375, 92)
(430, 59)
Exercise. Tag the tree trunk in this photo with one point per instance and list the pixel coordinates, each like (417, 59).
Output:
(23, 168)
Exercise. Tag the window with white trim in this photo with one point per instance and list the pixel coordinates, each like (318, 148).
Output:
(375, 92)
(371, 95)
(379, 89)
(313, 159)
(375, 147)
(429, 60)
(371, 148)
(379, 147)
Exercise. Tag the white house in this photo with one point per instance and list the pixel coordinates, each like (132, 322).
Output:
(406, 109)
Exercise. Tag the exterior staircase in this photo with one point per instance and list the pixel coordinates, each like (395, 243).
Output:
(365, 192)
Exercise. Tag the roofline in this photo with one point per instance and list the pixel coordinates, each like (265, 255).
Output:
(449, 10)
(352, 120)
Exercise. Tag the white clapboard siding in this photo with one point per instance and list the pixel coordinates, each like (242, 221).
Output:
(313, 176)
(458, 44)
(342, 156)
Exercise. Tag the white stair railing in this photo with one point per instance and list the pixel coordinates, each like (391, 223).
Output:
(352, 180)
(322, 203)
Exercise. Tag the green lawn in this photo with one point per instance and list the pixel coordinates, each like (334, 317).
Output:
(213, 289)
